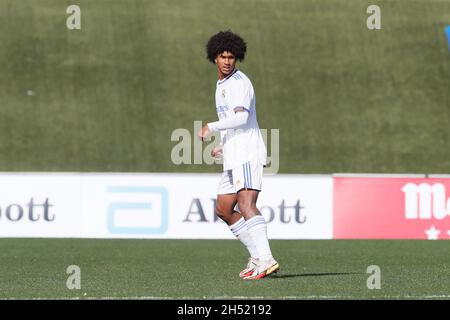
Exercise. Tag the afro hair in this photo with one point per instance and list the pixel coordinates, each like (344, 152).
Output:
(226, 41)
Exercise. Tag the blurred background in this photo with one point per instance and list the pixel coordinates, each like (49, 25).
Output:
(107, 97)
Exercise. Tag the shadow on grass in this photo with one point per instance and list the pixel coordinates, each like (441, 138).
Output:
(283, 276)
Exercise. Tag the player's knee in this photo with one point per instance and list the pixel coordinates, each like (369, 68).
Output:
(246, 207)
(222, 213)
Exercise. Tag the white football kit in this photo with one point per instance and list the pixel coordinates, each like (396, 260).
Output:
(244, 152)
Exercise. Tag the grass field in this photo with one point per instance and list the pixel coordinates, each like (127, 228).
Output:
(198, 269)
(107, 97)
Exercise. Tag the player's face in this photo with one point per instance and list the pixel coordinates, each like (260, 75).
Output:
(225, 63)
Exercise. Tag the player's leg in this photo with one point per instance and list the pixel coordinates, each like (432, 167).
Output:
(256, 225)
(225, 210)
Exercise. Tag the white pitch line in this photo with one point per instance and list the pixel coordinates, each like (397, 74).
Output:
(234, 297)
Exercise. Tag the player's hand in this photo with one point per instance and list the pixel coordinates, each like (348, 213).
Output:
(204, 132)
(216, 153)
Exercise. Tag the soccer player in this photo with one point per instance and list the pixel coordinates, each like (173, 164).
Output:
(243, 152)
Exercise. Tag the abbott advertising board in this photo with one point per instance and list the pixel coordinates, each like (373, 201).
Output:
(182, 206)
(391, 208)
(155, 206)
(40, 205)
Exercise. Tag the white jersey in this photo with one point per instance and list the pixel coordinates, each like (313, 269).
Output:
(244, 143)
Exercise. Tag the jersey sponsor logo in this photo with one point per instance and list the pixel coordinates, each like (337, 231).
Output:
(222, 108)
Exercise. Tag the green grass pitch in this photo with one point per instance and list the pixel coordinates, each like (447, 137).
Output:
(198, 269)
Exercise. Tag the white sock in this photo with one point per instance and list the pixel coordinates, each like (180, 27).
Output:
(239, 229)
(257, 228)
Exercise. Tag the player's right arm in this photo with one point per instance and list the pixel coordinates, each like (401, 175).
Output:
(236, 120)
(217, 152)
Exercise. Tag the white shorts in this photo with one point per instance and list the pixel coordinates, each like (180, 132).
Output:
(247, 175)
